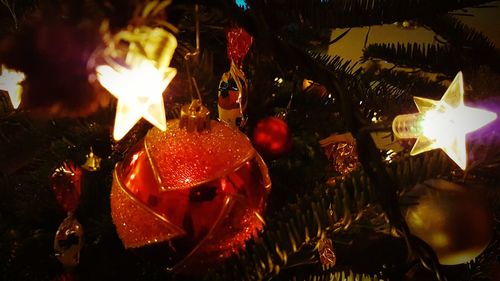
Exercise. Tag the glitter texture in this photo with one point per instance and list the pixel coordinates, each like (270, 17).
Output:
(135, 225)
(186, 159)
(204, 193)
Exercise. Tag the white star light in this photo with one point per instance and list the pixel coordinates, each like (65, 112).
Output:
(443, 124)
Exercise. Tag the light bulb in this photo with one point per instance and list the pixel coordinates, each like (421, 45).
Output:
(443, 124)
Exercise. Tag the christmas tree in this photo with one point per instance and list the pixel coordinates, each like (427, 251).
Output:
(112, 166)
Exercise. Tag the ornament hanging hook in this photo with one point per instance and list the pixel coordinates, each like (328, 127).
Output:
(197, 33)
(193, 86)
(197, 26)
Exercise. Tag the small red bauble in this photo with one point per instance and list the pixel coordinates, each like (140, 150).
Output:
(195, 197)
(271, 137)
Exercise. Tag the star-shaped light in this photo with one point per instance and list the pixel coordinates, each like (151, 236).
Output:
(10, 81)
(443, 124)
(139, 90)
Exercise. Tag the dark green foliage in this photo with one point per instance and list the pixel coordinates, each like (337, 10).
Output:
(458, 34)
(325, 210)
(403, 84)
(346, 13)
(464, 47)
(470, 42)
(343, 275)
(421, 56)
(290, 230)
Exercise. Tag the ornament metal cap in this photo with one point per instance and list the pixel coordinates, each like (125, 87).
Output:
(195, 117)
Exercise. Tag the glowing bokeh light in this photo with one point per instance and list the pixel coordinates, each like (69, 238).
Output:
(10, 81)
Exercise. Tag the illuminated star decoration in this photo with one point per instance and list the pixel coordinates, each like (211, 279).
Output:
(10, 81)
(139, 85)
(139, 90)
(443, 124)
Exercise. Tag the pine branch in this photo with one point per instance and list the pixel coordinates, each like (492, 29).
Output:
(458, 34)
(480, 266)
(12, 13)
(12, 10)
(464, 48)
(412, 170)
(295, 226)
(391, 92)
(349, 13)
(432, 58)
(336, 64)
(379, 89)
(349, 77)
(371, 100)
(325, 210)
(407, 83)
(343, 275)
(472, 43)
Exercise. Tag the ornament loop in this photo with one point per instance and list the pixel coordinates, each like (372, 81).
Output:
(195, 116)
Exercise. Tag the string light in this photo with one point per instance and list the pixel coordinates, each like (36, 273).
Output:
(139, 83)
(139, 90)
(443, 124)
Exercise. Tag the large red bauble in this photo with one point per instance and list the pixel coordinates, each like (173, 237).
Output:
(200, 193)
(271, 137)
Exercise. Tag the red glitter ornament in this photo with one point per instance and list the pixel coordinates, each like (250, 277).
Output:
(201, 193)
(272, 138)
(65, 182)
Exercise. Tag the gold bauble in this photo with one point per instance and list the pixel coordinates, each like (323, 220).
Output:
(453, 219)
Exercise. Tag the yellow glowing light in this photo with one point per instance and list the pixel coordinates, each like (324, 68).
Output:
(443, 124)
(10, 81)
(139, 90)
(140, 81)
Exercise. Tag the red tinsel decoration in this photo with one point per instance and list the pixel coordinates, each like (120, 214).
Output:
(238, 44)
